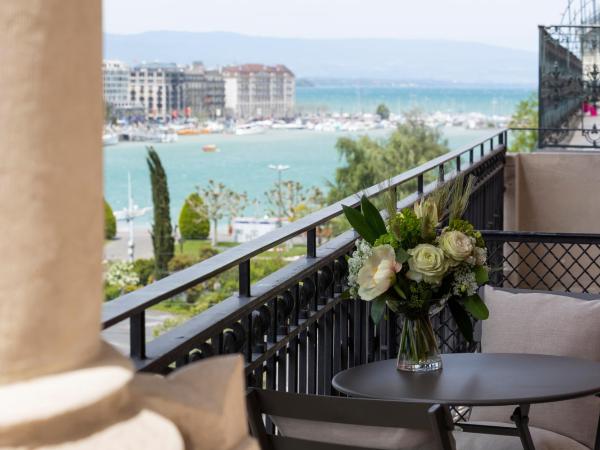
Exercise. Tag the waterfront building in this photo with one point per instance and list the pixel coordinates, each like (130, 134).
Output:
(203, 91)
(147, 85)
(115, 80)
(255, 90)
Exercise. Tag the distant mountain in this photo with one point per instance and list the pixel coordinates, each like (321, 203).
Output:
(381, 59)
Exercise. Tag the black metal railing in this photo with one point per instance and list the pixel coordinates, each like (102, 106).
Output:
(563, 262)
(293, 327)
(568, 85)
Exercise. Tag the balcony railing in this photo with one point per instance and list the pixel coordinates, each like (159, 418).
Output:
(293, 327)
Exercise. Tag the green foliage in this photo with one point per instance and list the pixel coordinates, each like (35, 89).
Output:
(291, 200)
(193, 218)
(206, 252)
(474, 305)
(383, 111)
(462, 319)
(162, 231)
(144, 269)
(467, 228)
(387, 239)
(368, 161)
(110, 222)
(111, 292)
(406, 228)
(367, 222)
(526, 116)
(180, 262)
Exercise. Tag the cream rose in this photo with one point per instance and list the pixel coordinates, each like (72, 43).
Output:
(378, 272)
(426, 263)
(457, 246)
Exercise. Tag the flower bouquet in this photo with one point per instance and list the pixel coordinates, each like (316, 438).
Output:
(414, 267)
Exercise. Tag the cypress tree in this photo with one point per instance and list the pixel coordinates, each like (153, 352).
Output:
(162, 232)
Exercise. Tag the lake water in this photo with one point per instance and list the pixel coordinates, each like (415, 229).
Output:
(242, 164)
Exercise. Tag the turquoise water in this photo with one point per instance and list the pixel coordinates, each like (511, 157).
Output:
(243, 161)
(242, 164)
(350, 99)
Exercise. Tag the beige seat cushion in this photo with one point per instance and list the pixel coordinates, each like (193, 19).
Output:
(548, 324)
(542, 440)
(360, 436)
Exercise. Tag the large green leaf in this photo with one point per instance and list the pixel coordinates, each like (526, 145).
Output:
(462, 319)
(476, 307)
(372, 216)
(481, 275)
(377, 309)
(359, 223)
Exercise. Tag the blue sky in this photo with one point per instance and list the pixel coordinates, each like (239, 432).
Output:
(507, 23)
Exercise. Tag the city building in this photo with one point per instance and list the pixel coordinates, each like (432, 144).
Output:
(255, 90)
(115, 78)
(148, 86)
(172, 91)
(203, 91)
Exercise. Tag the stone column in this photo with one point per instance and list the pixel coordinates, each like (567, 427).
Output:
(58, 383)
(60, 386)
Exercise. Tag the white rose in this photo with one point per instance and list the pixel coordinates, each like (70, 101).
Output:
(427, 263)
(457, 246)
(378, 273)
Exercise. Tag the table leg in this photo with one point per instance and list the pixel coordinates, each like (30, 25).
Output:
(521, 419)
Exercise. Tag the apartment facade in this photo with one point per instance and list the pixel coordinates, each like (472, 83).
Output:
(256, 91)
(115, 78)
(148, 87)
(203, 91)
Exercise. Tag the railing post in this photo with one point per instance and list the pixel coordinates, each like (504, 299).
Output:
(420, 185)
(458, 163)
(481, 150)
(137, 335)
(244, 279)
(441, 174)
(311, 243)
(501, 138)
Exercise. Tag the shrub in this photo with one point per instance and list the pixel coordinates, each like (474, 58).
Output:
(180, 262)
(144, 268)
(193, 222)
(122, 274)
(206, 252)
(110, 222)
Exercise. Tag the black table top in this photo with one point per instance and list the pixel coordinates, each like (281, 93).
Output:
(476, 379)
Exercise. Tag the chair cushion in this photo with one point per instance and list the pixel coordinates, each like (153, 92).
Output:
(542, 440)
(550, 324)
(383, 438)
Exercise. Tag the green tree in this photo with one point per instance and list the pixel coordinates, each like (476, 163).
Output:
(216, 197)
(526, 116)
(383, 111)
(163, 242)
(369, 161)
(193, 218)
(110, 222)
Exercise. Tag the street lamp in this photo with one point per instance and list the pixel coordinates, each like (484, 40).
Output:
(279, 168)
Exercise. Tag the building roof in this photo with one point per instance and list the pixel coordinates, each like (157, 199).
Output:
(256, 68)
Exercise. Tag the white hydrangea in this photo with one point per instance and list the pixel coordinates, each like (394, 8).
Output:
(359, 256)
(122, 274)
(464, 283)
(480, 255)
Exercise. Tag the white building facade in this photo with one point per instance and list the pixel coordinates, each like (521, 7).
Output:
(258, 91)
(148, 87)
(115, 77)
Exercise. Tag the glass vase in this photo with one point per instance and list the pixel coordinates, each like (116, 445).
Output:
(418, 350)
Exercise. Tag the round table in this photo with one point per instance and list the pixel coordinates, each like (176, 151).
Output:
(479, 379)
